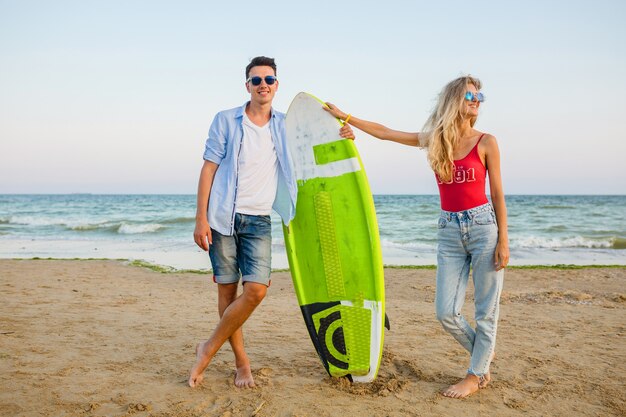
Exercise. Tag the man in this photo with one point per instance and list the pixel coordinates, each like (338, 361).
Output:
(246, 172)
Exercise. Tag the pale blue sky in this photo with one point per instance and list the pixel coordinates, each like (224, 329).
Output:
(117, 96)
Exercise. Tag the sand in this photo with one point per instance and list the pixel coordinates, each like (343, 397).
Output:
(102, 338)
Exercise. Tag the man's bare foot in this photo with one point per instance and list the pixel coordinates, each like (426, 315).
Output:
(202, 361)
(243, 377)
(464, 388)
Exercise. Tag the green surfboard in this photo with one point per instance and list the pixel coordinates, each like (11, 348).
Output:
(333, 244)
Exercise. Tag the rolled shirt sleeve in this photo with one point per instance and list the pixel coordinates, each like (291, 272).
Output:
(215, 146)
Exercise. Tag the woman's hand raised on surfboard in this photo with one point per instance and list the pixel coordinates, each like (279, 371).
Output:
(334, 110)
(374, 129)
(346, 131)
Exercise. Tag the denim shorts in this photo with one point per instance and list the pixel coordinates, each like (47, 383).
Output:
(246, 254)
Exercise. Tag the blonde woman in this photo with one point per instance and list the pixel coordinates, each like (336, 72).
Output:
(472, 232)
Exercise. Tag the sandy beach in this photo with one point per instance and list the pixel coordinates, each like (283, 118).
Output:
(103, 338)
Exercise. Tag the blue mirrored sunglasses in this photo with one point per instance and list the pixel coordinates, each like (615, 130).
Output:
(469, 96)
(269, 80)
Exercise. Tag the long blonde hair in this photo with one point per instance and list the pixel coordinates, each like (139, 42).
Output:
(443, 126)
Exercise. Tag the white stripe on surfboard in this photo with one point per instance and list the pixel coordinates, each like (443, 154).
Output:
(332, 169)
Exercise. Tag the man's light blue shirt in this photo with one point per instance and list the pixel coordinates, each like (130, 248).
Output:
(222, 148)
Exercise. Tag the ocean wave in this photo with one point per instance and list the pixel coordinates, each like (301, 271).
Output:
(38, 221)
(556, 228)
(178, 220)
(570, 242)
(556, 207)
(619, 243)
(115, 227)
(133, 229)
(409, 246)
(32, 221)
(88, 227)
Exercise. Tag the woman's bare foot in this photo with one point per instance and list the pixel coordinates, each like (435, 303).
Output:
(485, 381)
(243, 377)
(487, 378)
(464, 388)
(202, 361)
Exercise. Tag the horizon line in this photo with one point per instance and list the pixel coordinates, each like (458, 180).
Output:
(375, 194)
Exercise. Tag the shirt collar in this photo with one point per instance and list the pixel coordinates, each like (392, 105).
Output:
(243, 109)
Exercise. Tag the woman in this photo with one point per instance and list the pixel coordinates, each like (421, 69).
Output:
(472, 232)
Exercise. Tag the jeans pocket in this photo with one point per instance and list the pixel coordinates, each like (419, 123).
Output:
(442, 223)
(484, 218)
(266, 219)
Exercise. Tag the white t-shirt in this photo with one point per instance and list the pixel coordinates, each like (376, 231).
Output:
(258, 170)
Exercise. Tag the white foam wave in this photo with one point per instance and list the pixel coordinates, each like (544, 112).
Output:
(409, 246)
(83, 227)
(34, 221)
(557, 243)
(133, 229)
(78, 225)
(73, 224)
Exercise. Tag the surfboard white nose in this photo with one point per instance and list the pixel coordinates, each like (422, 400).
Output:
(306, 115)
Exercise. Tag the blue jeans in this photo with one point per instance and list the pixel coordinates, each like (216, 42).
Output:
(247, 253)
(469, 238)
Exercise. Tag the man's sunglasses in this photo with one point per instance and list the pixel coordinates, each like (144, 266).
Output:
(469, 96)
(269, 80)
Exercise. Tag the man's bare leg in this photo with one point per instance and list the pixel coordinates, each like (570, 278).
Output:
(233, 317)
(243, 374)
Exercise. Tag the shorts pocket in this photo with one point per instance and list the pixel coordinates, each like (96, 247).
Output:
(260, 225)
(486, 217)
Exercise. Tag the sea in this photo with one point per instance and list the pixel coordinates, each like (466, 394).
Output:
(158, 229)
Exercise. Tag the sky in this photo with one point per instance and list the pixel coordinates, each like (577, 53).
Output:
(118, 96)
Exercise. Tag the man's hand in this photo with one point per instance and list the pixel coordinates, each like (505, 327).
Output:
(202, 234)
(346, 132)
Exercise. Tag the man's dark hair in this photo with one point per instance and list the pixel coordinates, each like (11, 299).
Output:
(260, 61)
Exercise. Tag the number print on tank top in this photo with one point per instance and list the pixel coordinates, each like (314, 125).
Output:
(460, 176)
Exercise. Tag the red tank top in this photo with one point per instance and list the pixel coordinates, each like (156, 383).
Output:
(467, 188)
